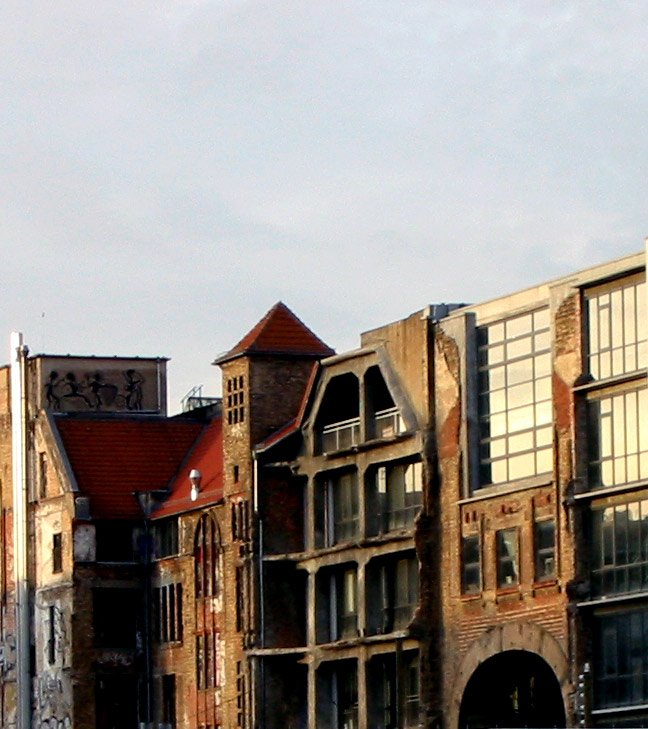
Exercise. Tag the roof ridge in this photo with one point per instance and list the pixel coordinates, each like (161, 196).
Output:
(281, 332)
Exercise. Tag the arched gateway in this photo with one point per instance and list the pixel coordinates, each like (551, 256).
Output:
(513, 676)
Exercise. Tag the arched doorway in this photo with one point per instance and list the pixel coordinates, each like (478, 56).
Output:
(515, 688)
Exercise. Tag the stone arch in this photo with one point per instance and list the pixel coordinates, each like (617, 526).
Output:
(514, 636)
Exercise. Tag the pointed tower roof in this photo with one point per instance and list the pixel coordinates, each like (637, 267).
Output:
(280, 332)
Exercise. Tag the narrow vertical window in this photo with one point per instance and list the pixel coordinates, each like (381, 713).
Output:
(470, 565)
(545, 550)
(57, 553)
(51, 638)
(508, 568)
(42, 475)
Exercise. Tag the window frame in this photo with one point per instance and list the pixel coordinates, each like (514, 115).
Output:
(505, 560)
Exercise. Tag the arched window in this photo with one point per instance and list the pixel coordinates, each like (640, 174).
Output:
(206, 550)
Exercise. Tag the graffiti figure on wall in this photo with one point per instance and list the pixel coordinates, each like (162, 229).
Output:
(134, 382)
(94, 392)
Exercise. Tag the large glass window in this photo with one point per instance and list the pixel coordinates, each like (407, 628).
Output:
(616, 318)
(618, 438)
(392, 589)
(399, 494)
(515, 405)
(337, 509)
(621, 660)
(620, 548)
(337, 597)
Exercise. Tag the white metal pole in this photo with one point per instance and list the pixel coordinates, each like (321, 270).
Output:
(19, 507)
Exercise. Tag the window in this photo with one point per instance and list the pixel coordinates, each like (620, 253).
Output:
(167, 602)
(42, 475)
(621, 659)
(392, 593)
(337, 604)
(620, 548)
(545, 550)
(241, 696)
(206, 555)
(115, 612)
(515, 405)
(57, 553)
(616, 326)
(165, 538)
(393, 691)
(338, 509)
(471, 564)
(51, 638)
(337, 695)
(399, 494)
(508, 569)
(206, 660)
(241, 520)
(169, 699)
(338, 417)
(235, 401)
(618, 438)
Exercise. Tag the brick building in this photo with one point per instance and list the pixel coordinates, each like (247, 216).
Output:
(447, 527)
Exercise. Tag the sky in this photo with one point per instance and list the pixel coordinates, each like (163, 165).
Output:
(171, 169)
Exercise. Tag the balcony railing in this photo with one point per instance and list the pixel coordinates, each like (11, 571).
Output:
(387, 423)
(341, 435)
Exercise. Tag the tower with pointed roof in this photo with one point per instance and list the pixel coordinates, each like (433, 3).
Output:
(265, 377)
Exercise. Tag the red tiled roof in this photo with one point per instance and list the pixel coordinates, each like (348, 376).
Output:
(207, 457)
(279, 332)
(113, 458)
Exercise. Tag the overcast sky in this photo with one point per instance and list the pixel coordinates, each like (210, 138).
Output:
(171, 169)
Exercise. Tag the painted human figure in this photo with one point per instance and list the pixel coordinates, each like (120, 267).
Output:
(134, 382)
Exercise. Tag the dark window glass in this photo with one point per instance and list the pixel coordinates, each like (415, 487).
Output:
(399, 494)
(508, 567)
(165, 536)
(620, 548)
(167, 602)
(545, 550)
(57, 552)
(169, 699)
(471, 564)
(621, 660)
(341, 510)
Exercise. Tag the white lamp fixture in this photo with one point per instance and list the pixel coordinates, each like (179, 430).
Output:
(194, 477)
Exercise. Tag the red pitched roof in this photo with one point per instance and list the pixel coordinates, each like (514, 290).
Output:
(279, 332)
(113, 458)
(207, 457)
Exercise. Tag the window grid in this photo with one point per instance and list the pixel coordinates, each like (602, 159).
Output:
(206, 554)
(620, 660)
(400, 493)
(235, 400)
(616, 328)
(620, 548)
(515, 404)
(167, 601)
(618, 439)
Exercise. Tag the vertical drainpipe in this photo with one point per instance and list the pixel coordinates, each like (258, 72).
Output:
(19, 472)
